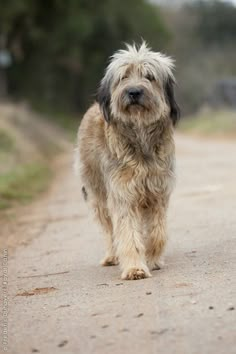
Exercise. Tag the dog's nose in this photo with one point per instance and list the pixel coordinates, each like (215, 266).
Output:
(135, 93)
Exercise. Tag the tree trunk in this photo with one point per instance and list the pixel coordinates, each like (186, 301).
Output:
(3, 84)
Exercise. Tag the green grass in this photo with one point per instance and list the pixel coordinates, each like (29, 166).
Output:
(211, 123)
(68, 121)
(7, 144)
(23, 184)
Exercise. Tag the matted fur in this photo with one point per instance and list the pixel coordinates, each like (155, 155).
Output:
(126, 149)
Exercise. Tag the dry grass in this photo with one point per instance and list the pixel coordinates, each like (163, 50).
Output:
(211, 123)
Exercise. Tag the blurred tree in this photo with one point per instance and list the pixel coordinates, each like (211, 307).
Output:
(60, 48)
(203, 43)
(216, 21)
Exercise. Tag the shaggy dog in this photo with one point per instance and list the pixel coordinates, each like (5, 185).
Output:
(127, 155)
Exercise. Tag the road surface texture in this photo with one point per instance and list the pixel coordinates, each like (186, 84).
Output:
(62, 301)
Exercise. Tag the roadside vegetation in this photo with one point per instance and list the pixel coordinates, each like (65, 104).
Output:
(29, 147)
(218, 123)
(22, 184)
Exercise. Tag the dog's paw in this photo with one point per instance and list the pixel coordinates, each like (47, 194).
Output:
(135, 274)
(110, 261)
(155, 264)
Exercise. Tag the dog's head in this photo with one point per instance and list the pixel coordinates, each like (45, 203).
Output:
(138, 86)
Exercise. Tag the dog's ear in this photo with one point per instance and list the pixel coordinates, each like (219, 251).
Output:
(170, 96)
(104, 98)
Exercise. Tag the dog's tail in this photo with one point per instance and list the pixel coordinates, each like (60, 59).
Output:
(85, 194)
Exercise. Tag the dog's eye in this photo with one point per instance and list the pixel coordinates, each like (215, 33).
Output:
(124, 77)
(150, 77)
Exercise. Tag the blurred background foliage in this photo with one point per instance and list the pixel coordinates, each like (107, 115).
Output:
(59, 48)
(203, 43)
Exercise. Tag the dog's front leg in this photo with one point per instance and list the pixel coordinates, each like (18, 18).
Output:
(157, 236)
(129, 242)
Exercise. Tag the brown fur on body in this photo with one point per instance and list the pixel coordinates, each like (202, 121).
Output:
(127, 165)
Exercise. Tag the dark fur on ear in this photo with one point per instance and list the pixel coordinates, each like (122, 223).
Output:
(170, 96)
(104, 99)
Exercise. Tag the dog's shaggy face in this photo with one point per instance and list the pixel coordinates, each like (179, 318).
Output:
(138, 87)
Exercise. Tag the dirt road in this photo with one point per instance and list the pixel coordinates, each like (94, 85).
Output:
(186, 307)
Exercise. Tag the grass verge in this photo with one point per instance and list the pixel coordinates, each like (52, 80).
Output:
(68, 121)
(211, 123)
(6, 142)
(23, 183)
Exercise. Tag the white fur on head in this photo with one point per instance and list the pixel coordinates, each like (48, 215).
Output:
(158, 64)
(138, 66)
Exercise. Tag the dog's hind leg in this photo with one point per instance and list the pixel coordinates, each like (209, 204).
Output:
(110, 258)
(156, 238)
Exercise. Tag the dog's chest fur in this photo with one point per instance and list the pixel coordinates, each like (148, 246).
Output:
(140, 162)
